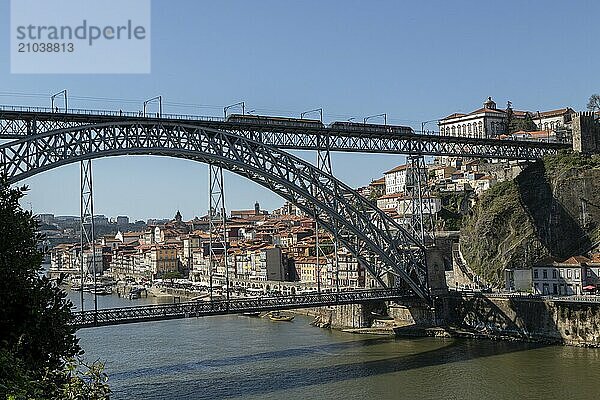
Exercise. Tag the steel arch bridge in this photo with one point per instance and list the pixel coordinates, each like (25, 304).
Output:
(384, 247)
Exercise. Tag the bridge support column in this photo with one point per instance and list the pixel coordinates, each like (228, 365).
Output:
(217, 220)
(421, 211)
(87, 266)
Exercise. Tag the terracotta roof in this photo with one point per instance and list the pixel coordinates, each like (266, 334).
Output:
(398, 168)
(380, 181)
(455, 115)
(490, 110)
(131, 234)
(552, 113)
(576, 260)
(532, 134)
(391, 196)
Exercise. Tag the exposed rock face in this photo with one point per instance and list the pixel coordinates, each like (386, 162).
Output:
(551, 209)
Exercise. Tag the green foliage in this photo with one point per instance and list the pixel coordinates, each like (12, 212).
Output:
(374, 194)
(522, 124)
(85, 382)
(454, 207)
(36, 314)
(567, 160)
(594, 102)
(37, 341)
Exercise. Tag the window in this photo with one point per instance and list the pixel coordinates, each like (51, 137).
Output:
(545, 273)
(569, 274)
(554, 274)
(576, 274)
(535, 273)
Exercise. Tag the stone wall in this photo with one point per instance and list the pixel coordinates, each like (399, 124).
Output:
(566, 322)
(586, 133)
(349, 316)
(472, 315)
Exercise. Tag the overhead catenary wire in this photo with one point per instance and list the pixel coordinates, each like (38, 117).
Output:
(213, 107)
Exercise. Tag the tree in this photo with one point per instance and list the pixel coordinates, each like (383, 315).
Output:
(522, 124)
(38, 348)
(594, 103)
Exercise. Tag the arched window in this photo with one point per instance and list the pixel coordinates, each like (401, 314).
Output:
(453, 130)
(470, 129)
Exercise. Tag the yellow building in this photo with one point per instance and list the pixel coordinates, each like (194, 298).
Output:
(163, 259)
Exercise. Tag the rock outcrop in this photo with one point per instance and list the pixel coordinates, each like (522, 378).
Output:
(551, 209)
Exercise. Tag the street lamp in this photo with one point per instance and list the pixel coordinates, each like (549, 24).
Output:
(319, 110)
(159, 98)
(384, 115)
(425, 123)
(240, 104)
(62, 92)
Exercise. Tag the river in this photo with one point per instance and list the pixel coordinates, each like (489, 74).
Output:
(253, 358)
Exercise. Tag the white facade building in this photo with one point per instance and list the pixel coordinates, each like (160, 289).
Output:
(397, 179)
(560, 278)
(553, 120)
(486, 122)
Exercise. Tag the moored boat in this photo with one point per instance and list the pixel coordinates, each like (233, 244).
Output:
(280, 317)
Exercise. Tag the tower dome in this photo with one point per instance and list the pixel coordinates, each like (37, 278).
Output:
(490, 104)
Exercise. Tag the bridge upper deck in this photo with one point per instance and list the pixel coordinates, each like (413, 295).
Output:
(18, 122)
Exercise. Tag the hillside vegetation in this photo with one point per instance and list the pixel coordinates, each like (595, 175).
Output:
(551, 209)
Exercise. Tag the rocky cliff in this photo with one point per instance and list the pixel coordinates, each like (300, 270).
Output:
(551, 209)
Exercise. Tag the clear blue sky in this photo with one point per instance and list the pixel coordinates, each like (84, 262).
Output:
(414, 60)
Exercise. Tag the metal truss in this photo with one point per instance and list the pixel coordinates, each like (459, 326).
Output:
(126, 315)
(420, 212)
(324, 165)
(16, 122)
(87, 228)
(376, 240)
(217, 223)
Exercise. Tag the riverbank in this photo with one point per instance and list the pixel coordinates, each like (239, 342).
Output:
(558, 321)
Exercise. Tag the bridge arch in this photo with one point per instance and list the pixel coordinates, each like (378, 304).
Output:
(378, 242)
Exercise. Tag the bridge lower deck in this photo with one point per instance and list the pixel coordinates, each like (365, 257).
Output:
(127, 315)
